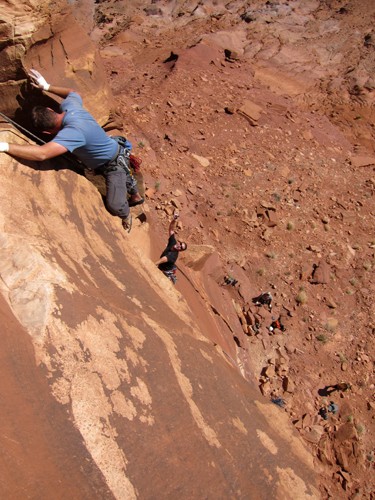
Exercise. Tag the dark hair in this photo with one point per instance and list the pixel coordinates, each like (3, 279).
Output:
(43, 118)
(183, 243)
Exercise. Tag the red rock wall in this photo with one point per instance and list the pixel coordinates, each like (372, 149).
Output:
(159, 409)
(47, 36)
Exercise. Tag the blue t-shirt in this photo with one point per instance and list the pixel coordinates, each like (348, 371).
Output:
(83, 136)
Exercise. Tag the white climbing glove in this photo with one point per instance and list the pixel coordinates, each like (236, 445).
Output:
(37, 80)
(4, 147)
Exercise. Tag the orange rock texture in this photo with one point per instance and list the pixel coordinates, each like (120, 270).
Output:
(255, 121)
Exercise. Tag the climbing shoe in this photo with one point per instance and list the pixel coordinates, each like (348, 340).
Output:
(127, 223)
(135, 203)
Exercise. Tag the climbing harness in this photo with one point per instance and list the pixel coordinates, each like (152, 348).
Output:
(119, 162)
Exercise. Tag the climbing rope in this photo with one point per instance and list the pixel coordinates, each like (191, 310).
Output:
(23, 129)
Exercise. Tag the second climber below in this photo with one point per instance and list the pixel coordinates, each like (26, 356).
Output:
(167, 261)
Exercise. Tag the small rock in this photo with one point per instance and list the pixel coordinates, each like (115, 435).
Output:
(201, 159)
(175, 203)
(314, 249)
(307, 421)
(169, 210)
(370, 84)
(315, 434)
(231, 55)
(251, 111)
(325, 451)
(269, 371)
(330, 303)
(307, 135)
(346, 432)
(288, 385)
(272, 219)
(265, 388)
(346, 480)
(342, 456)
(321, 273)
(267, 205)
(344, 366)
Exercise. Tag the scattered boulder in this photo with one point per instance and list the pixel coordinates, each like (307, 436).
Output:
(344, 454)
(346, 432)
(251, 112)
(314, 434)
(288, 385)
(231, 55)
(321, 273)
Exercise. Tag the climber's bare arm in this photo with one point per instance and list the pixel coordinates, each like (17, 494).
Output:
(36, 153)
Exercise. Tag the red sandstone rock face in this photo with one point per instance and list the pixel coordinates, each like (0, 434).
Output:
(160, 408)
(53, 42)
(152, 383)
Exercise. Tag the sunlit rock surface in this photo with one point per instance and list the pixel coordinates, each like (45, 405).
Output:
(50, 39)
(112, 387)
(159, 409)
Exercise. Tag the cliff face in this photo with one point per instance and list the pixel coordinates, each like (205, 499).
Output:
(35, 34)
(158, 407)
(128, 396)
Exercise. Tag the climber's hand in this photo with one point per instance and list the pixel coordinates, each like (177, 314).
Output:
(37, 80)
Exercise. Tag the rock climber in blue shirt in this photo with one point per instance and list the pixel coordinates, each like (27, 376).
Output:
(76, 131)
